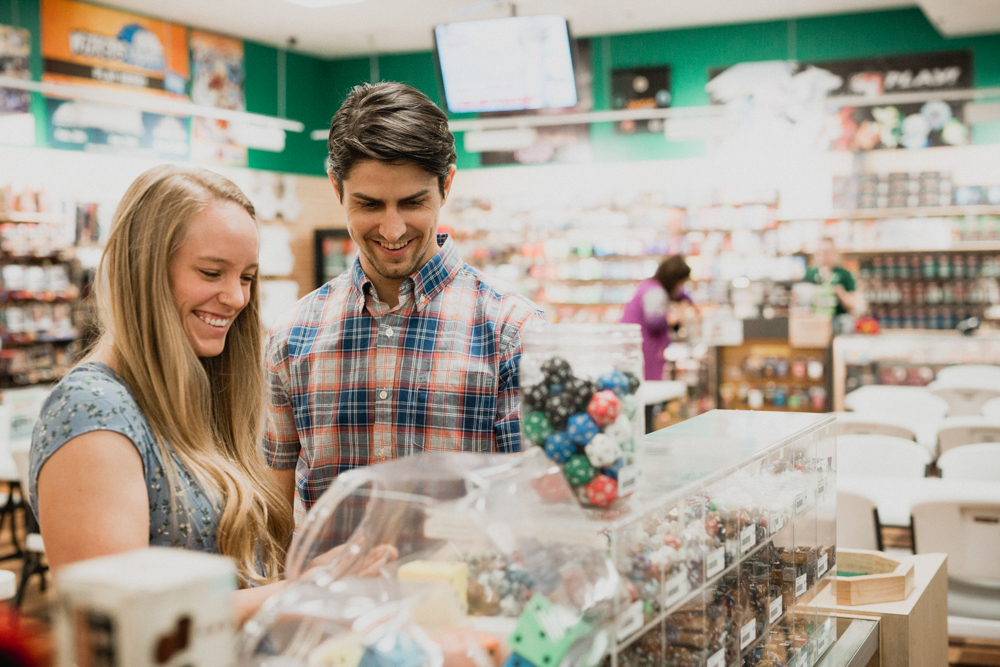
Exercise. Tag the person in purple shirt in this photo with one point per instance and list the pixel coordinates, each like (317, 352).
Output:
(650, 307)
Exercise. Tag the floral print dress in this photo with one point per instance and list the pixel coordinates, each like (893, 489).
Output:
(93, 397)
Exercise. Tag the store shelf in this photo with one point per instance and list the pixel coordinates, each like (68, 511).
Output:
(902, 212)
(960, 246)
(10, 339)
(19, 217)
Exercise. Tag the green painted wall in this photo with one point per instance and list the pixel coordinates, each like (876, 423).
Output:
(316, 87)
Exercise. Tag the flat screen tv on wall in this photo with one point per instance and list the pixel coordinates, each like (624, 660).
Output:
(508, 64)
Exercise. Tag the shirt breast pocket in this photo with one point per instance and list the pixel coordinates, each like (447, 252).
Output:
(458, 409)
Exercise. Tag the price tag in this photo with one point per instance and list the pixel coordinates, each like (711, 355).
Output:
(716, 561)
(775, 610)
(748, 633)
(748, 537)
(631, 621)
(674, 590)
(800, 585)
(717, 659)
(800, 503)
(821, 488)
(777, 521)
(628, 479)
(821, 565)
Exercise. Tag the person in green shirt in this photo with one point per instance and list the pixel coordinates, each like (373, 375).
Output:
(828, 271)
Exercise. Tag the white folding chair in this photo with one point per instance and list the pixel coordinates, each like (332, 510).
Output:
(958, 431)
(858, 525)
(964, 372)
(882, 456)
(991, 408)
(866, 423)
(965, 397)
(970, 534)
(897, 403)
(980, 462)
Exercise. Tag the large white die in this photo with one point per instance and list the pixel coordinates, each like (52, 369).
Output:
(602, 451)
(620, 430)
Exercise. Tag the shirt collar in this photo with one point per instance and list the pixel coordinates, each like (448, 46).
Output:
(427, 281)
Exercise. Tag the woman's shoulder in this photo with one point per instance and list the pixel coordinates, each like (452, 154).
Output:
(91, 397)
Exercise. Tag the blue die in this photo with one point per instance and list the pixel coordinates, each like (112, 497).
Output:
(581, 428)
(612, 470)
(615, 381)
(394, 651)
(516, 661)
(559, 447)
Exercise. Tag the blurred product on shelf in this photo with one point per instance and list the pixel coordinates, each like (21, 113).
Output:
(41, 283)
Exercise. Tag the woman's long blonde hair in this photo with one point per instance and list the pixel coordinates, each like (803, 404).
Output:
(208, 409)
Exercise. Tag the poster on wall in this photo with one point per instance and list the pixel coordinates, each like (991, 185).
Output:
(555, 143)
(797, 96)
(85, 45)
(218, 80)
(640, 88)
(918, 125)
(17, 124)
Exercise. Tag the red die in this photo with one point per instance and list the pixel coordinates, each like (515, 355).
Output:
(551, 487)
(604, 407)
(602, 491)
(672, 541)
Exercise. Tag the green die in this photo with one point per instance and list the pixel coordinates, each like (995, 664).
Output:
(537, 427)
(545, 632)
(578, 470)
(630, 406)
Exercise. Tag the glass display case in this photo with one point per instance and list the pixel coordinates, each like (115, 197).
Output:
(472, 560)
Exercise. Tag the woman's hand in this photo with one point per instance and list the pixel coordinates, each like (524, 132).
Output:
(370, 565)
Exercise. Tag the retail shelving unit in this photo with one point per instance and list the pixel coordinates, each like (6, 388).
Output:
(39, 338)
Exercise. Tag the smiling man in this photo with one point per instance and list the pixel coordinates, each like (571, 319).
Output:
(410, 349)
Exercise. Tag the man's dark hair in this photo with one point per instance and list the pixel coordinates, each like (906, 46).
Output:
(391, 123)
(672, 271)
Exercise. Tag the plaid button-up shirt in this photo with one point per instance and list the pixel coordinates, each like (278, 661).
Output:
(352, 382)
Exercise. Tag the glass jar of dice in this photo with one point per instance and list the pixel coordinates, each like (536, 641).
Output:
(581, 403)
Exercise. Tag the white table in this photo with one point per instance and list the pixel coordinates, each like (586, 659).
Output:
(894, 496)
(661, 391)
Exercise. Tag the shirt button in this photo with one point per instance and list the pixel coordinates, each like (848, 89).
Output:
(383, 394)
(388, 332)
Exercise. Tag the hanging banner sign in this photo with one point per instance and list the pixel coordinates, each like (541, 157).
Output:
(84, 44)
(94, 46)
(218, 80)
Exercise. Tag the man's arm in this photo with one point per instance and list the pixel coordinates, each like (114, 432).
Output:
(508, 419)
(281, 438)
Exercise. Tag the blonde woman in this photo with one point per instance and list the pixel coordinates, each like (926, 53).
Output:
(152, 440)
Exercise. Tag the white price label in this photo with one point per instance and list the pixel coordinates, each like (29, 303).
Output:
(800, 503)
(674, 590)
(748, 633)
(716, 561)
(628, 479)
(631, 621)
(775, 610)
(821, 488)
(717, 659)
(777, 521)
(748, 538)
(800, 585)
(821, 565)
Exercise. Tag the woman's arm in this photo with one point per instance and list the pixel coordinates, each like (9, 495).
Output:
(92, 499)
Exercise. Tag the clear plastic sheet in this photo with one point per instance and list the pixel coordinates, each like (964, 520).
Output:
(450, 560)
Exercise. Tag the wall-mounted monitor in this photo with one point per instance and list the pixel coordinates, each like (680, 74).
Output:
(510, 64)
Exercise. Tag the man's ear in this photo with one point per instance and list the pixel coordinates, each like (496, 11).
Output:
(447, 183)
(336, 188)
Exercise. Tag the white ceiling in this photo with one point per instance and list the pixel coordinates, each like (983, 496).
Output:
(383, 26)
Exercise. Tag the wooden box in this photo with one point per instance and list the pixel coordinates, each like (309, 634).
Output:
(885, 579)
(912, 632)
